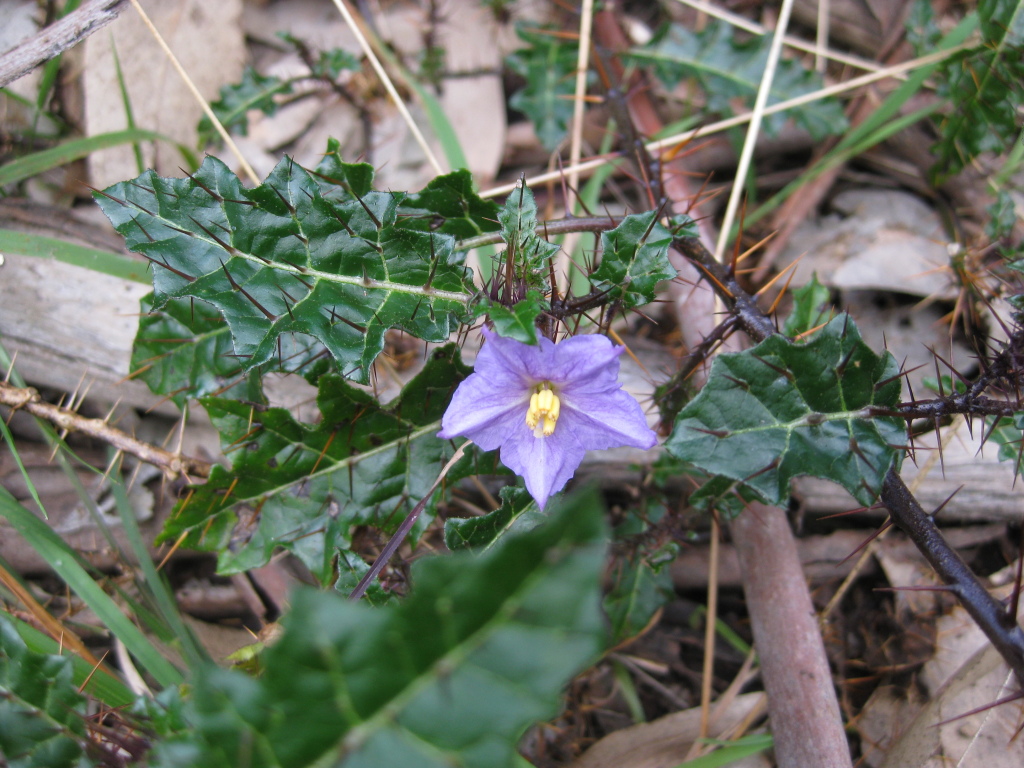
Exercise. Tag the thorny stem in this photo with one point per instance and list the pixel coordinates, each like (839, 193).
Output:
(173, 464)
(992, 618)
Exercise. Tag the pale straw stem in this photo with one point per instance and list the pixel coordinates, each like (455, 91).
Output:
(753, 129)
(389, 86)
(228, 141)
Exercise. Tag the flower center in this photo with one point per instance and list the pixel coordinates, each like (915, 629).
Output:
(543, 412)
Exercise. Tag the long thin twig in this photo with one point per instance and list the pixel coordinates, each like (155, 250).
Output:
(403, 530)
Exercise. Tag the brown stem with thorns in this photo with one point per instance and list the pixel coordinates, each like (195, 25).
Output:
(173, 464)
(992, 618)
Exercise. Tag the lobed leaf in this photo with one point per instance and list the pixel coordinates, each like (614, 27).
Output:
(253, 91)
(530, 252)
(453, 675)
(1008, 434)
(42, 714)
(518, 513)
(451, 205)
(184, 351)
(303, 487)
(730, 70)
(548, 64)
(634, 259)
(641, 585)
(293, 257)
(784, 409)
(517, 322)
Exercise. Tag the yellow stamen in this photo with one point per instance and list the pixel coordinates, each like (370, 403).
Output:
(543, 411)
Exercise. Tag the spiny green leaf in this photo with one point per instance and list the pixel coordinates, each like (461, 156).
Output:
(42, 714)
(784, 409)
(453, 675)
(518, 513)
(351, 179)
(451, 205)
(517, 322)
(810, 307)
(284, 259)
(729, 70)
(253, 91)
(184, 351)
(304, 486)
(529, 252)
(634, 259)
(1008, 434)
(548, 65)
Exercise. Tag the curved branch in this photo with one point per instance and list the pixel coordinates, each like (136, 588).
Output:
(57, 38)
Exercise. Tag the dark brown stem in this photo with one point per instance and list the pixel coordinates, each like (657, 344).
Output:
(998, 625)
(57, 38)
(953, 404)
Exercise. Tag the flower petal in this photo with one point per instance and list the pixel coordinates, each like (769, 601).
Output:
(546, 463)
(585, 364)
(605, 420)
(513, 358)
(484, 410)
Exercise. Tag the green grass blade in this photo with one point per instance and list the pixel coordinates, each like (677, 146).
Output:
(65, 562)
(441, 125)
(9, 438)
(75, 149)
(129, 113)
(107, 689)
(731, 752)
(113, 264)
(157, 586)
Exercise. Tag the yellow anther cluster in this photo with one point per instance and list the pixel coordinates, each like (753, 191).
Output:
(543, 412)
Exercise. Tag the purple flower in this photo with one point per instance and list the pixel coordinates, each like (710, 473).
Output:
(545, 406)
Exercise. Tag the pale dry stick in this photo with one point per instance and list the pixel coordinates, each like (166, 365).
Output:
(53, 40)
(576, 141)
(722, 125)
(709, 630)
(818, 50)
(753, 129)
(871, 548)
(389, 86)
(207, 110)
(821, 37)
